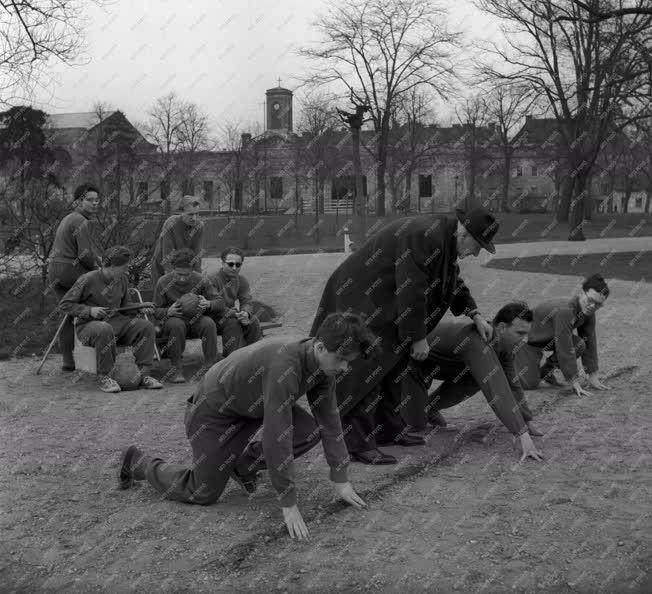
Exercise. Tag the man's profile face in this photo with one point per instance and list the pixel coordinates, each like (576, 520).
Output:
(466, 245)
(515, 332)
(591, 301)
(332, 363)
(232, 264)
(90, 202)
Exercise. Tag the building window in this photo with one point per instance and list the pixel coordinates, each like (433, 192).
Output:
(165, 190)
(425, 186)
(534, 171)
(188, 187)
(343, 188)
(276, 188)
(142, 191)
(519, 171)
(208, 193)
(605, 187)
(638, 203)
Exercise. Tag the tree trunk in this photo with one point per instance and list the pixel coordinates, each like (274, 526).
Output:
(504, 202)
(624, 201)
(565, 196)
(407, 198)
(576, 210)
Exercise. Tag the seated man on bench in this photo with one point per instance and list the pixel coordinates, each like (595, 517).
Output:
(170, 288)
(92, 300)
(239, 327)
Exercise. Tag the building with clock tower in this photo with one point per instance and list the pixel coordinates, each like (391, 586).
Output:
(279, 109)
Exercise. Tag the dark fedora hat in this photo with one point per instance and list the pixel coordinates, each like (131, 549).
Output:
(481, 224)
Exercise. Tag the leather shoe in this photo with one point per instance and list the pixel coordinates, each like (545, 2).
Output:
(406, 440)
(374, 457)
(126, 475)
(436, 419)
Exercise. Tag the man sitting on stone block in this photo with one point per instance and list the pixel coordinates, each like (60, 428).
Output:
(553, 329)
(260, 385)
(467, 364)
(238, 325)
(177, 325)
(91, 300)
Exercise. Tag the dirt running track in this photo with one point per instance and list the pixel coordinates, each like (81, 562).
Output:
(460, 514)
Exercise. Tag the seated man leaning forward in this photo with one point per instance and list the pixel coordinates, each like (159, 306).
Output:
(176, 326)
(260, 384)
(466, 363)
(553, 330)
(92, 301)
(238, 325)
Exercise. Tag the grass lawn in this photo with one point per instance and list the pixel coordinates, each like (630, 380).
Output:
(631, 266)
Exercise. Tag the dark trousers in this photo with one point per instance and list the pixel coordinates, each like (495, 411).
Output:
(175, 330)
(123, 330)
(219, 443)
(552, 363)
(61, 277)
(235, 335)
(475, 367)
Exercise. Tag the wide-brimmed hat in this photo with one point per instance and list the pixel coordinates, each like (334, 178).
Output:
(481, 225)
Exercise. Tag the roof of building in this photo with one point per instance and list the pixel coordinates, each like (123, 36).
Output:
(538, 131)
(82, 120)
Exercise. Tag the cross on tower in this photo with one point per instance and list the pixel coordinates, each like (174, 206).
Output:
(279, 81)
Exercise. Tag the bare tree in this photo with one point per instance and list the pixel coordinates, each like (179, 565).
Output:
(587, 70)
(376, 51)
(507, 105)
(32, 33)
(593, 12)
(413, 140)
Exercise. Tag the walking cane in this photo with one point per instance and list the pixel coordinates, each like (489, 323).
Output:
(38, 370)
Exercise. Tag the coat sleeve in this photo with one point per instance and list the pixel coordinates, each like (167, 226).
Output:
(462, 302)
(563, 329)
(212, 291)
(167, 243)
(509, 368)
(244, 296)
(281, 388)
(161, 301)
(323, 403)
(587, 333)
(72, 303)
(414, 254)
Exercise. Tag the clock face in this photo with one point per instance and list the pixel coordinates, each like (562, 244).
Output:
(276, 106)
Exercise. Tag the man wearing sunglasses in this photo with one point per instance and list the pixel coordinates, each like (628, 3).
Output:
(236, 322)
(553, 329)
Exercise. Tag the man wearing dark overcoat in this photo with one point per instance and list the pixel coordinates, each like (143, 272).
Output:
(403, 278)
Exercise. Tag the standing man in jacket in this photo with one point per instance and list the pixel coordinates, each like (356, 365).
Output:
(184, 230)
(74, 252)
(467, 365)
(260, 385)
(238, 325)
(553, 329)
(403, 278)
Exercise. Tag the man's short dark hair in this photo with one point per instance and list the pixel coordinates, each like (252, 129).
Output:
(117, 255)
(182, 258)
(232, 250)
(346, 333)
(597, 283)
(511, 311)
(83, 189)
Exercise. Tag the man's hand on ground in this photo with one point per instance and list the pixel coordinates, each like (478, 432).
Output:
(529, 449)
(595, 382)
(579, 390)
(294, 522)
(345, 491)
(420, 349)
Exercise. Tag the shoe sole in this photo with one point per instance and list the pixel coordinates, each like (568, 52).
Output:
(126, 475)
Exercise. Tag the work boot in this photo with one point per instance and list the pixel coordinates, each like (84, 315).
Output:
(248, 482)
(129, 467)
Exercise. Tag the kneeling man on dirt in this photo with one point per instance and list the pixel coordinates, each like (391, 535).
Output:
(260, 385)
(553, 329)
(466, 364)
(92, 300)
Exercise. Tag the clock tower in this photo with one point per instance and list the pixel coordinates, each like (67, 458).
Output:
(279, 108)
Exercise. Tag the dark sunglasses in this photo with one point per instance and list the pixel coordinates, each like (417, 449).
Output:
(234, 264)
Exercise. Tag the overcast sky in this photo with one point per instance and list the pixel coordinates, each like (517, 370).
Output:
(220, 54)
